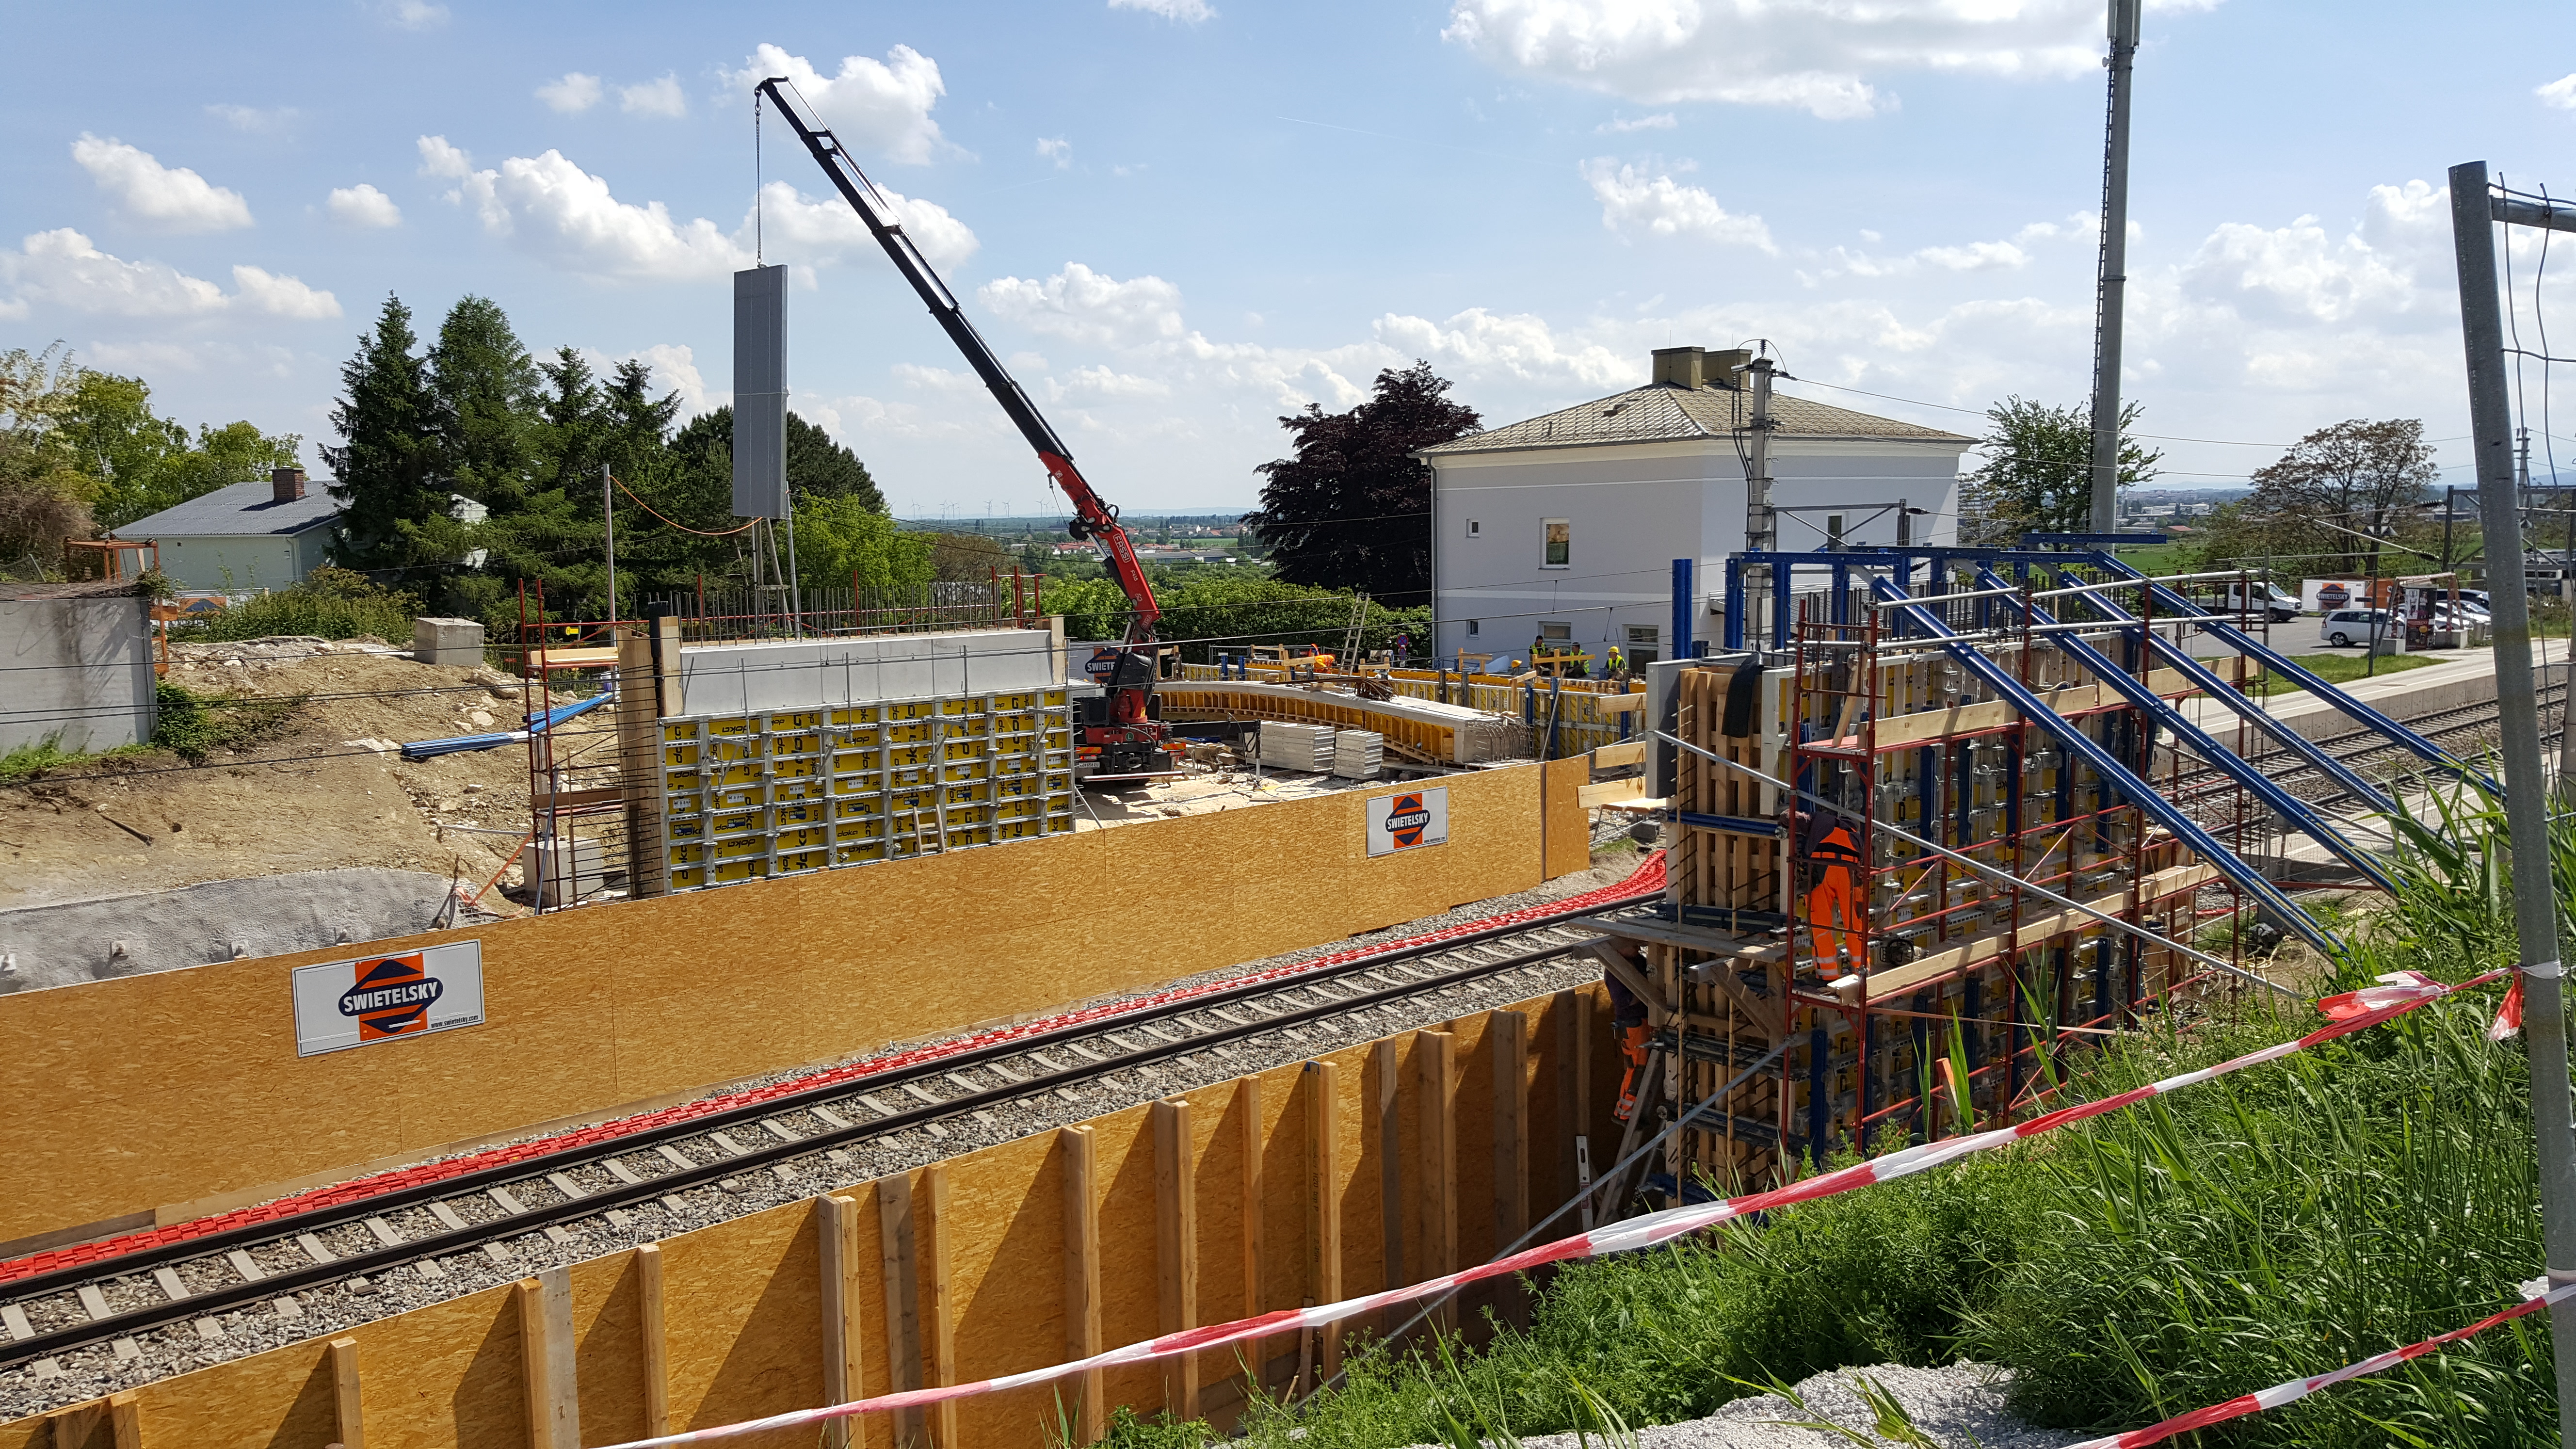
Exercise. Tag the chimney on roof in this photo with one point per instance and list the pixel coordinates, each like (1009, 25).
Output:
(1698, 367)
(285, 484)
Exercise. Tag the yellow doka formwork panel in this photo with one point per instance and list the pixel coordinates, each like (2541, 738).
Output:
(743, 1301)
(182, 1088)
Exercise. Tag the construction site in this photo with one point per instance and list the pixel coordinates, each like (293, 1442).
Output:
(770, 1020)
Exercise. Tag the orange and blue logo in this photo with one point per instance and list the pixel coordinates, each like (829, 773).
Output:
(391, 997)
(1406, 819)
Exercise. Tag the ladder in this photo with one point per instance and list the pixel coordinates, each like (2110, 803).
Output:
(1349, 658)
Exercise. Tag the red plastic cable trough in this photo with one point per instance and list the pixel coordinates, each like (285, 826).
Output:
(1647, 879)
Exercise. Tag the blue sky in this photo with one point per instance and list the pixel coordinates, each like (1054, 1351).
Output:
(1182, 218)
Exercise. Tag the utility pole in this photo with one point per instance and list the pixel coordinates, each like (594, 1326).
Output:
(2450, 499)
(1761, 523)
(608, 517)
(2535, 913)
(2114, 278)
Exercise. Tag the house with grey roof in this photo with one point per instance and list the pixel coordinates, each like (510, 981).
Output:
(1565, 526)
(245, 535)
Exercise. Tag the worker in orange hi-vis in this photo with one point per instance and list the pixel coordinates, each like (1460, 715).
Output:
(1628, 1021)
(1833, 857)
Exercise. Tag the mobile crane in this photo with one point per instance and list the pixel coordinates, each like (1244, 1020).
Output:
(1119, 735)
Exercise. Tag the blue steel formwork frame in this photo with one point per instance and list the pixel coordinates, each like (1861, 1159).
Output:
(2289, 807)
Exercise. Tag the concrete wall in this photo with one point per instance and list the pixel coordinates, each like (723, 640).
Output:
(1633, 510)
(735, 678)
(129, 935)
(79, 672)
(248, 561)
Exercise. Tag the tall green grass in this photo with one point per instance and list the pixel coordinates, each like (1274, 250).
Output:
(329, 604)
(2273, 1224)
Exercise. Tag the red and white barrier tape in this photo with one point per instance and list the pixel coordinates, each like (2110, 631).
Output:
(2296, 1389)
(2349, 1012)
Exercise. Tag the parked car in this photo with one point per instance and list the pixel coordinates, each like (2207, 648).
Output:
(2259, 598)
(2345, 628)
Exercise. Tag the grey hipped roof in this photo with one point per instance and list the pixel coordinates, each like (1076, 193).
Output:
(1665, 412)
(236, 510)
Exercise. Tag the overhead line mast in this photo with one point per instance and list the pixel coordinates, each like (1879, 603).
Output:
(1127, 734)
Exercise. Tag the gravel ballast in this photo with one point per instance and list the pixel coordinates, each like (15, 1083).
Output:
(1958, 1405)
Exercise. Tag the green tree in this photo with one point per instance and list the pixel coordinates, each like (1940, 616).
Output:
(1352, 509)
(44, 499)
(387, 466)
(143, 463)
(485, 387)
(841, 541)
(2038, 471)
(2341, 493)
(817, 467)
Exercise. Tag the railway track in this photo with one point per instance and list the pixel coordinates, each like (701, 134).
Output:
(2452, 729)
(807, 1137)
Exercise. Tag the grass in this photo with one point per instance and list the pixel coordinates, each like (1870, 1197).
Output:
(188, 724)
(329, 604)
(2337, 668)
(2276, 1223)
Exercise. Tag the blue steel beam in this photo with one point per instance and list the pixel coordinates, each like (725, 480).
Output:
(2288, 806)
(2244, 643)
(2225, 693)
(2144, 795)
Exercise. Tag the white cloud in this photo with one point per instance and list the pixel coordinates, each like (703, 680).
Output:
(1620, 125)
(1088, 307)
(551, 207)
(283, 296)
(571, 95)
(2560, 93)
(1056, 149)
(153, 356)
(828, 227)
(1188, 12)
(1485, 346)
(63, 268)
(1106, 383)
(363, 206)
(884, 105)
(415, 14)
(1630, 199)
(437, 158)
(255, 119)
(2298, 274)
(654, 98)
(1814, 55)
(166, 197)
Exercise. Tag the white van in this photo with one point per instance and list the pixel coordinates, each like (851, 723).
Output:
(2353, 628)
(2266, 599)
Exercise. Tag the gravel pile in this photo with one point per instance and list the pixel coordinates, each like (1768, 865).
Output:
(319, 1312)
(1958, 1406)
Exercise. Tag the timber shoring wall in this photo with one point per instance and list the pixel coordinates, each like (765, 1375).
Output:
(181, 1091)
(1205, 1207)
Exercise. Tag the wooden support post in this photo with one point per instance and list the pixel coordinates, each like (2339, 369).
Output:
(903, 1302)
(1082, 1333)
(125, 1421)
(1587, 1029)
(1561, 1011)
(1435, 1063)
(347, 1417)
(1507, 1037)
(656, 1346)
(1176, 1253)
(837, 1231)
(639, 762)
(73, 1424)
(1247, 1103)
(1390, 1162)
(938, 1300)
(1324, 1196)
(546, 1360)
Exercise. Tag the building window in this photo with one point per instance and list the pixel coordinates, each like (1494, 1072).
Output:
(1475, 528)
(1558, 549)
(1556, 633)
(1645, 643)
(1471, 629)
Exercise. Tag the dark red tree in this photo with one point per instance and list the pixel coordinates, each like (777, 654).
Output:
(1352, 509)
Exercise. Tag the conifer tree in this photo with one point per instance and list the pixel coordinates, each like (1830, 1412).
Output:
(386, 470)
(485, 386)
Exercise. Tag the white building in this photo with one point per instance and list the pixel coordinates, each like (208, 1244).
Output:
(244, 536)
(1566, 526)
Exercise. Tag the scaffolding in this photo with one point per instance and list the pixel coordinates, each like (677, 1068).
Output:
(1953, 821)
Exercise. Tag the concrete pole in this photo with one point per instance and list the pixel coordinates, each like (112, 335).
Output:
(1761, 522)
(2535, 912)
(2114, 275)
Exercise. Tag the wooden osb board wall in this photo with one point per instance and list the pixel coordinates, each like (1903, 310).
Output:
(744, 1301)
(181, 1090)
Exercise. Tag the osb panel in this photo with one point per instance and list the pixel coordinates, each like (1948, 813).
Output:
(608, 1338)
(1006, 1274)
(867, 1284)
(1287, 1279)
(1122, 1168)
(742, 1312)
(448, 1376)
(281, 1396)
(1473, 1137)
(28, 1433)
(1356, 1126)
(1568, 826)
(596, 1009)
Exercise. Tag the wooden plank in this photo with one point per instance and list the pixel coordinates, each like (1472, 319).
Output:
(1247, 1105)
(895, 1258)
(1435, 1065)
(657, 1344)
(1176, 1247)
(546, 1360)
(1884, 985)
(837, 1229)
(1608, 792)
(1387, 1068)
(125, 1421)
(1082, 1337)
(1508, 1035)
(1324, 1198)
(1611, 757)
(939, 1307)
(73, 1424)
(348, 1416)
(578, 799)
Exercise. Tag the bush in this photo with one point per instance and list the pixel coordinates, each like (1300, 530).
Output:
(193, 725)
(329, 604)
